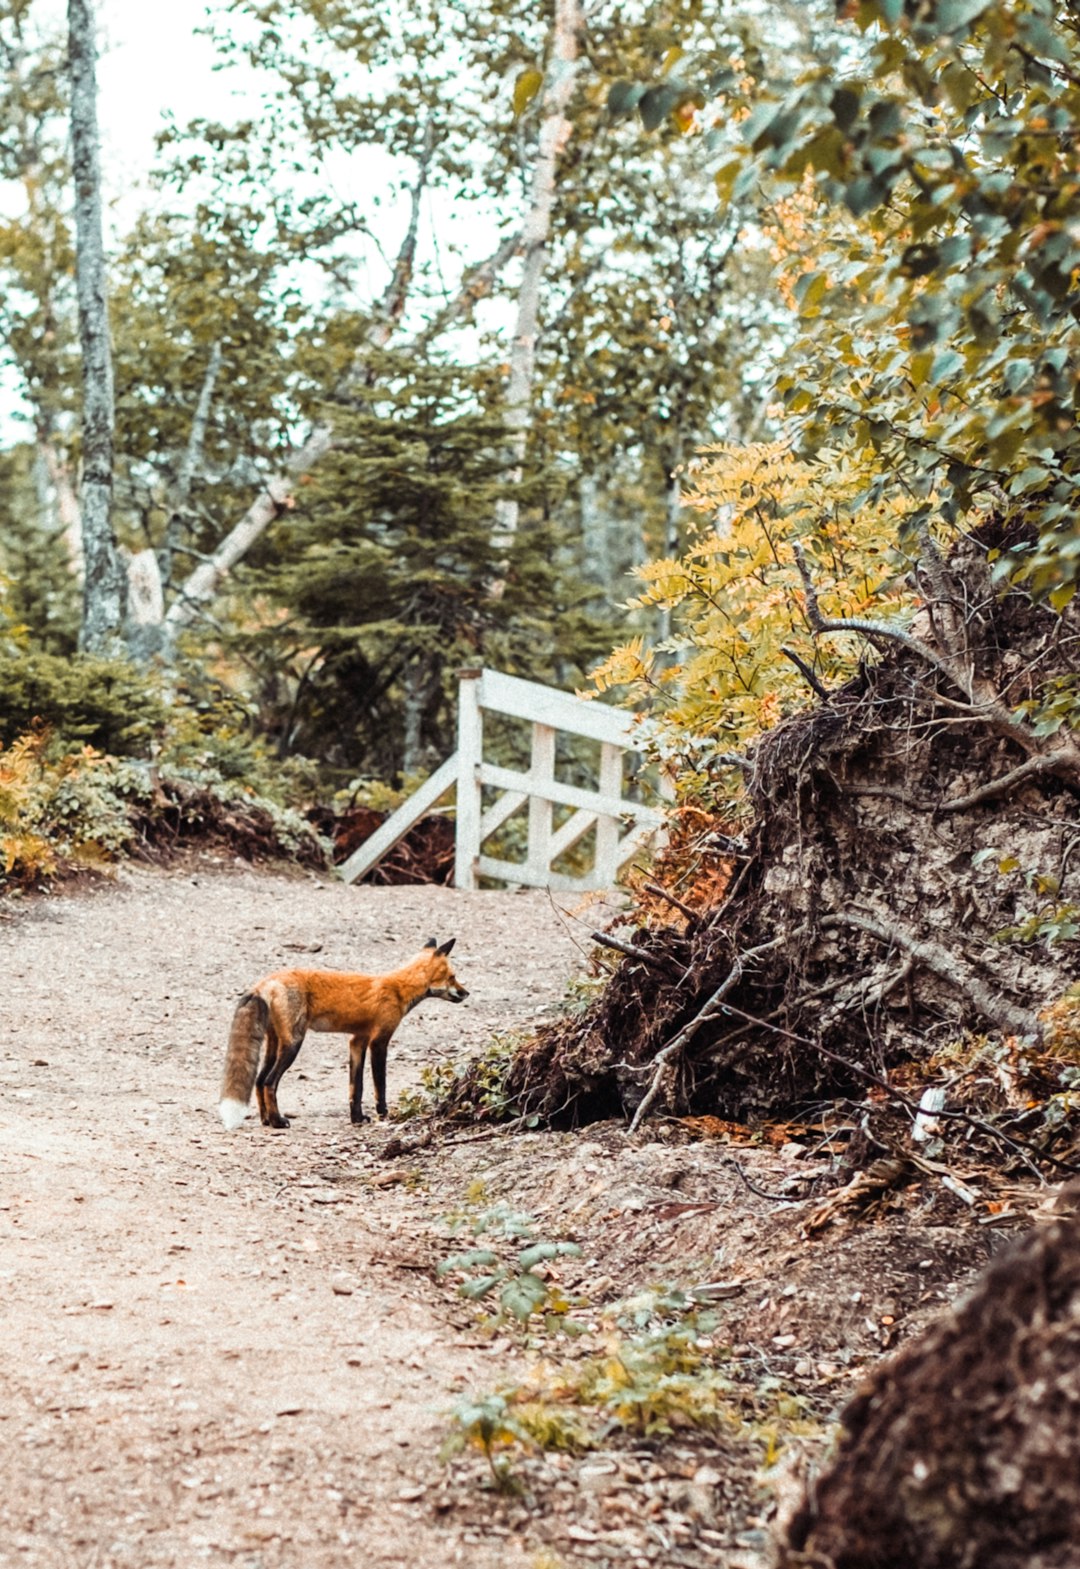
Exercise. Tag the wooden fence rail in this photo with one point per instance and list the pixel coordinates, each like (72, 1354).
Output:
(622, 826)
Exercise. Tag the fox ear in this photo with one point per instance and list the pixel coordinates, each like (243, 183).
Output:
(431, 943)
(446, 946)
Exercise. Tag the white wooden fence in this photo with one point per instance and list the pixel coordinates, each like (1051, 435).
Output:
(622, 826)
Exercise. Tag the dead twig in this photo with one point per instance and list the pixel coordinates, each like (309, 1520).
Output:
(805, 671)
(654, 960)
(774, 1198)
(662, 893)
(688, 1031)
(1021, 1148)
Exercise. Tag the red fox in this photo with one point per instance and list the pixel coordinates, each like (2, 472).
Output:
(279, 1010)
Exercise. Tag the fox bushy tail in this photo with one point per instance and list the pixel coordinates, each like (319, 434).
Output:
(249, 1026)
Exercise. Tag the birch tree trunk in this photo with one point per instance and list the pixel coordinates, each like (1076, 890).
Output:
(554, 134)
(64, 499)
(104, 579)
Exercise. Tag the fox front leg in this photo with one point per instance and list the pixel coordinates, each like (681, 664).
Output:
(358, 1046)
(378, 1072)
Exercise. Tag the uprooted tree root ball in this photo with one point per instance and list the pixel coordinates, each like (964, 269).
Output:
(907, 879)
(965, 1447)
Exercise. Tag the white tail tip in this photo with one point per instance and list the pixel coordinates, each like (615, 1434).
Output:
(232, 1112)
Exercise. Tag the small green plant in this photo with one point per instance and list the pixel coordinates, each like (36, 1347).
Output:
(487, 1424)
(657, 1367)
(1052, 920)
(477, 1086)
(522, 1291)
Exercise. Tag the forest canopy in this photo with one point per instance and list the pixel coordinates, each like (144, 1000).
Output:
(359, 441)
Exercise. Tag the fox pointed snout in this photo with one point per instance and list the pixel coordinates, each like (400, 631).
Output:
(448, 993)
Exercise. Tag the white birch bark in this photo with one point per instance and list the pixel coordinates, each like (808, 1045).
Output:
(554, 133)
(104, 577)
(65, 499)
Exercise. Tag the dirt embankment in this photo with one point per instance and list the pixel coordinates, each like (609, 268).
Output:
(232, 1349)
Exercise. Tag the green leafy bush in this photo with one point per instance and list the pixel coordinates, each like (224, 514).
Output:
(108, 704)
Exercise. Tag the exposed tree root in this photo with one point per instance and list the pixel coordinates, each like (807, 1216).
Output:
(861, 928)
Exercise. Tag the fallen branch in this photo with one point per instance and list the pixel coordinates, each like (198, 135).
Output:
(688, 1031)
(631, 952)
(991, 1004)
(662, 893)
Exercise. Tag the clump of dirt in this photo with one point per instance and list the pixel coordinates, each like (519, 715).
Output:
(424, 855)
(965, 1448)
(181, 815)
(908, 877)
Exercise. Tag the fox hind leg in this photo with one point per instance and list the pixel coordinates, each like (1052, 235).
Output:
(279, 1059)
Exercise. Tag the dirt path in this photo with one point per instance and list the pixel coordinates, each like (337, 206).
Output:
(226, 1348)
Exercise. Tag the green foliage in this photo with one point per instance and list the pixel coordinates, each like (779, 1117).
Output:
(105, 703)
(475, 1087)
(39, 595)
(57, 810)
(378, 586)
(522, 1292)
(941, 324)
(1049, 918)
(657, 1367)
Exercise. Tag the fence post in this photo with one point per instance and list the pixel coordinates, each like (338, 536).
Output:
(607, 829)
(541, 772)
(470, 755)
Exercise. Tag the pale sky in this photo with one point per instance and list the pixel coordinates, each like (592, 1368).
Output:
(150, 60)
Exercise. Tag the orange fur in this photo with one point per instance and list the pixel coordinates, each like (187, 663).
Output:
(272, 1019)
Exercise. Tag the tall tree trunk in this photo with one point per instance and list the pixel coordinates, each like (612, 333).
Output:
(104, 581)
(554, 134)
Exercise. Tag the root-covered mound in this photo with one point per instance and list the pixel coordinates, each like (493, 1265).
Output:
(425, 855)
(912, 873)
(180, 814)
(965, 1448)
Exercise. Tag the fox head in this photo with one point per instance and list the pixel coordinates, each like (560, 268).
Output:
(441, 980)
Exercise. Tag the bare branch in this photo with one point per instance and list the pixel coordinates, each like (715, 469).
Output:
(990, 1003)
(663, 893)
(805, 671)
(712, 1008)
(631, 952)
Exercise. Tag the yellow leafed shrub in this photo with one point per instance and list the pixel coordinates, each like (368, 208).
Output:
(736, 597)
(23, 852)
